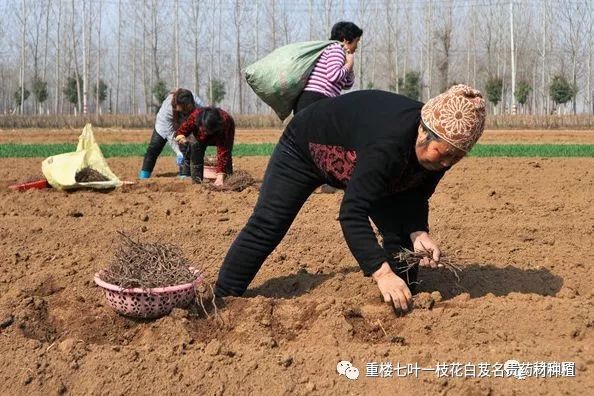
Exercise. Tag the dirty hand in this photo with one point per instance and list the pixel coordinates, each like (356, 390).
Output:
(181, 139)
(423, 242)
(393, 289)
(219, 180)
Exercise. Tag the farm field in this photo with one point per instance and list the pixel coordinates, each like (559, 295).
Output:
(113, 135)
(524, 226)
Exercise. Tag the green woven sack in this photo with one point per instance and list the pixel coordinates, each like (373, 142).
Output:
(279, 78)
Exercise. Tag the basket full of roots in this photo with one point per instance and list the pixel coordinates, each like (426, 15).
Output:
(148, 280)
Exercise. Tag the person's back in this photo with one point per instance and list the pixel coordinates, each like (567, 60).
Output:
(333, 70)
(330, 75)
(338, 121)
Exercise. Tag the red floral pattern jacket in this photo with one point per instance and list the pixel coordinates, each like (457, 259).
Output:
(223, 141)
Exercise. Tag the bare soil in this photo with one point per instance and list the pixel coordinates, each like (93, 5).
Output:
(524, 226)
(111, 135)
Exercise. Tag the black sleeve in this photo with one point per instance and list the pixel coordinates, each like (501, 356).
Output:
(415, 204)
(375, 165)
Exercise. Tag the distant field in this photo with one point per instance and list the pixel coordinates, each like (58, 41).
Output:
(271, 135)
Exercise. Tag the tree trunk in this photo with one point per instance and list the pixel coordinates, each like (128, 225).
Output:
(58, 47)
(155, 42)
(44, 75)
(84, 58)
(145, 81)
(176, 39)
(589, 92)
(512, 57)
(197, 18)
(119, 56)
(98, 66)
(237, 19)
(75, 56)
(22, 71)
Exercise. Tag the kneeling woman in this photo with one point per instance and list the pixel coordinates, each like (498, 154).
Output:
(388, 155)
(209, 126)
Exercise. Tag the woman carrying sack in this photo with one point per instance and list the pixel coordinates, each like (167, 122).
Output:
(333, 70)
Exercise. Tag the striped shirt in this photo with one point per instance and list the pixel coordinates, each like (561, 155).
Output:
(330, 75)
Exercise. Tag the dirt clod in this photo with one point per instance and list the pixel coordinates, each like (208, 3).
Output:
(213, 348)
(423, 301)
(7, 321)
(89, 175)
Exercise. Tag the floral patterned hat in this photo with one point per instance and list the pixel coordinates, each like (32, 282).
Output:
(457, 116)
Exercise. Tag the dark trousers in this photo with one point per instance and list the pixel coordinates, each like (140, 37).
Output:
(305, 99)
(194, 161)
(289, 180)
(154, 149)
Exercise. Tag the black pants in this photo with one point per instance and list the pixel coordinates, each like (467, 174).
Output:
(194, 161)
(154, 149)
(289, 180)
(305, 99)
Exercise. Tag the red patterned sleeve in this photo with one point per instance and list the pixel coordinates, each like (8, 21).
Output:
(189, 126)
(225, 142)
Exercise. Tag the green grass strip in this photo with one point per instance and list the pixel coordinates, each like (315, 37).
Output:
(533, 150)
(11, 150)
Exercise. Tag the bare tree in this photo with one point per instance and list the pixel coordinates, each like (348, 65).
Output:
(196, 30)
(444, 35)
(145, 76)
(119, 57)
(428, 44)
(176, 43)
(439, 38)
(328, 14)
(45, 47)
(85, 48)
(272, 16)
(512, 57)
(155, 41)
(98, 65)
(574, 16)
(58, 43)
(589, 103)
(23, 18)
(392, 43)
(238, 15)
(287, 23)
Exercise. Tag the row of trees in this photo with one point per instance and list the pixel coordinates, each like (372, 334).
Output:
(124, 55)
(561, 91)
(72, 93)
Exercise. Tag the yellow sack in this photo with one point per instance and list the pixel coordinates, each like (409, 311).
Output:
(60, 170)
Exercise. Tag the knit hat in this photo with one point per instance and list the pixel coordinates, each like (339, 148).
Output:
(457, 116)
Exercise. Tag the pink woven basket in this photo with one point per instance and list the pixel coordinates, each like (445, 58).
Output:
(148, 303)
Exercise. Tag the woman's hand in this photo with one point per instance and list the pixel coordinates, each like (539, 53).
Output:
(423, 242)
(350, 61)
(393, 289)
(219, 180)
(181, 139)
